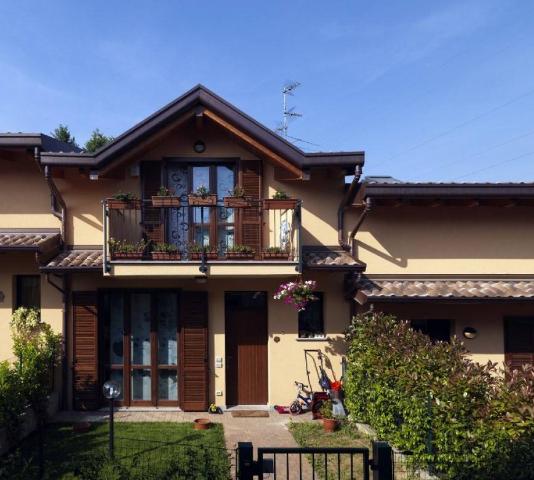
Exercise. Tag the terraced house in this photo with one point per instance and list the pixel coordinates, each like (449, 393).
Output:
(157, 257)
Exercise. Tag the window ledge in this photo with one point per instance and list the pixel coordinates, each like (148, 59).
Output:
(314, 339)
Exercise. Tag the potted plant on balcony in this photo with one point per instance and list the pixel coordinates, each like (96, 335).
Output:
(202, 197)
(196, 250)
(280, 201)
(123, 201)
(276, 253)
(240, 252)
(122, 249)
(236, 198)
(330, 422)
(165, 251)
(165, 198)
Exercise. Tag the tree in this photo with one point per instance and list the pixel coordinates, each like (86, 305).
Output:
(97, 141)
(62, 133)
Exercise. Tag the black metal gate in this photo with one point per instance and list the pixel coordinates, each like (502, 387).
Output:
(315, 463)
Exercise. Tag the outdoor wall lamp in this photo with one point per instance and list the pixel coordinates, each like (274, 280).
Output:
(199, 146)
(470, 332)
(112, 391)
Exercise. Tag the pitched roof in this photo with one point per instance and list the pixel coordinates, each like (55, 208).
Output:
(384, 188)
(30, 140)
(329, 258)
(384, 290)
(28, 240)
(75, 260)
(201, 96)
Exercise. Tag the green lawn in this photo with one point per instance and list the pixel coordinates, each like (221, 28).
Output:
(142, 451)
(311, 434)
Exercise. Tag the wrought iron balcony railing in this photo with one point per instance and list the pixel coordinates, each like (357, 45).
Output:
(170, 229)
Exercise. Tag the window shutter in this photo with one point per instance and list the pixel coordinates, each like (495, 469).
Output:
(152, 217)
(519, 341)
(250, 220)
(85, 351)
(194, 351)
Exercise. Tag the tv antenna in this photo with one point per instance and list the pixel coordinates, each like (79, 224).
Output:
(288, 113)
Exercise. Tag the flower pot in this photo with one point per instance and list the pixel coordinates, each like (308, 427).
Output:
(197, 201)
(239, 256)
(115, 204)
(127, 255)
(330, 424)
(236, 202)
(197, 256)
(81, 427)
(165, 201)
(276, 256)
(202, 423)
(166, 256)
(286, 204)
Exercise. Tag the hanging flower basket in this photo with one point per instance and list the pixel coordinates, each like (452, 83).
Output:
(298, 293)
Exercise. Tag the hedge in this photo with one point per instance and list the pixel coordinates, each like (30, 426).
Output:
(460, 419)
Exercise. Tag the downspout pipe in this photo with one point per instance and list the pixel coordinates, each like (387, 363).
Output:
(64, 290)
(345, 202)
(55, 194)
(361, 218)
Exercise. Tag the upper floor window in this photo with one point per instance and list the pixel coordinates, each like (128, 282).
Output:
(311, 320)
(28, 291)
(438, 329)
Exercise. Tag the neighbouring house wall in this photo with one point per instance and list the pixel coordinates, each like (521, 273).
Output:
(51, 301)
(486, 318)
(286, 357)
(24, 196)
(447, 241)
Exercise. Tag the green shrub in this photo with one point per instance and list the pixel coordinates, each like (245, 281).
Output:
(11, 401)
(458, 418)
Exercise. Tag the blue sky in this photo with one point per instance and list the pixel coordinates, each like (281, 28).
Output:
(430, 90)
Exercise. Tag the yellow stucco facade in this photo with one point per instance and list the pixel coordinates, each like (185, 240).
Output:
(406, 242)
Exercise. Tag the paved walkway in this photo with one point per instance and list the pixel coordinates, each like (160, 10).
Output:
(269, 431)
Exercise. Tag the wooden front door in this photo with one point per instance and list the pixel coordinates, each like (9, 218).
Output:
(246, 348)
(519, 341)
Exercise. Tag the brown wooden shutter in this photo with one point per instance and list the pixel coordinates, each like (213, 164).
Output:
(85, 351)
(519, 341)
(152, 217)
(194, 351)
(250, 220)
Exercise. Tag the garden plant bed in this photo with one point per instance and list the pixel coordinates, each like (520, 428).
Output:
(165, 201)
(114, 204)
(198, 201)
(197, 256)
(275, 256)
(165, 256)
(239, 256)
(311, 434)
(142, 450)
(127, 256)
(236, 202)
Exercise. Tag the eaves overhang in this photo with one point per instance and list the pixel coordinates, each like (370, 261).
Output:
(197, 97)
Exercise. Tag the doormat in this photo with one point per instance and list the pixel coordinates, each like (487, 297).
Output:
(249, 413)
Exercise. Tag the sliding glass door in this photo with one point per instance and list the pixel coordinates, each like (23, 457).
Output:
(141, 345)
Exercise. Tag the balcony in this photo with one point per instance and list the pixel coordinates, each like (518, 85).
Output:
(185, 236)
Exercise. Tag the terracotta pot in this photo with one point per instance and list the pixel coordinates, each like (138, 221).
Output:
(165, 255)
(286, 204)
(275, 256)
(330, 424)
(198, 256)
(168, 201)
(127, 256)
(236, 202)
(202, 424)
(239, 256)
(114, 204)
(197, 201)
(81, 427)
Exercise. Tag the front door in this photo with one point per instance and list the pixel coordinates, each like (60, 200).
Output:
(141, 338)
(519, 341)
(246, 348)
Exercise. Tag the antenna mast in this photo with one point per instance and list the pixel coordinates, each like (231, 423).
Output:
(288, 113)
